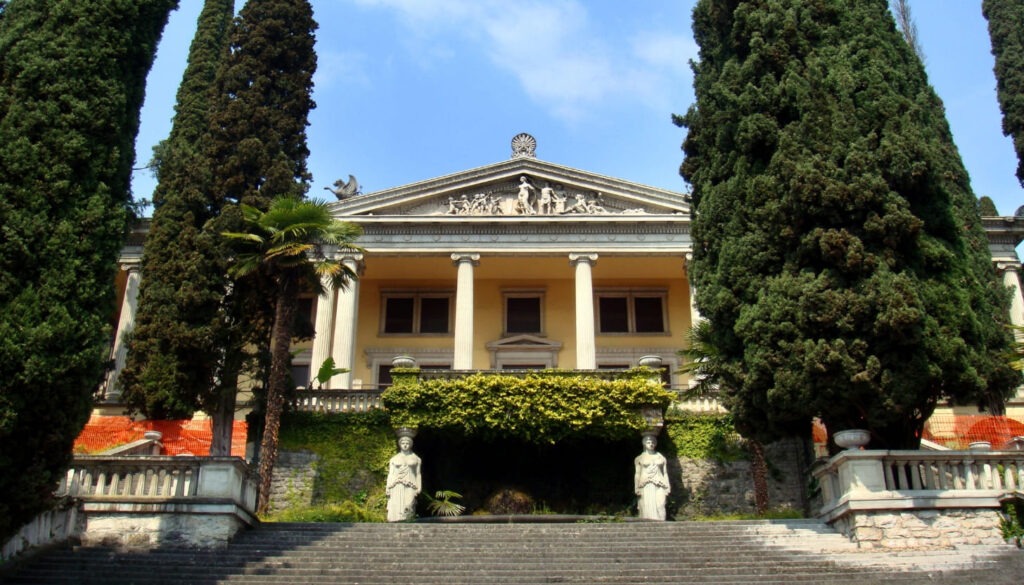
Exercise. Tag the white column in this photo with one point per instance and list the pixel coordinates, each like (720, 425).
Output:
(694, 312)
(1011, 279)
(323, 327)
(344, 339)
(126, 322)
(463, 359)
(586, 347)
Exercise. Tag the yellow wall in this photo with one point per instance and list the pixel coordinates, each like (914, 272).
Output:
(495, 275)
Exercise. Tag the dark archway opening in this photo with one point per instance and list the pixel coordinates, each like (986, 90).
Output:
(575, 476)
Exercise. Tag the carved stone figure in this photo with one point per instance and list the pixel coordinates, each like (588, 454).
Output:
(650, 481)
(524, 206)
(404, 481)
(581, 204)
(546, 196)
(342, 189)
(558, 200)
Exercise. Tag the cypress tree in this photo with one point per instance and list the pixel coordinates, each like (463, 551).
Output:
(174, 353)
(262, 104)
(838, 252)
(72, 80)
(257, 144)
(1006, 29)
(987, 207)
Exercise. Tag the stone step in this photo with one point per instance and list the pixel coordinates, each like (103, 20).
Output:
(766, 553)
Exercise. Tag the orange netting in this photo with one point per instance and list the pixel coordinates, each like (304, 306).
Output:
(181, 437)
(957, 431)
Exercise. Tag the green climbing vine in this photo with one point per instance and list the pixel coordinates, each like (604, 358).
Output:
(352, 451)
(542, 407)
(704, 436)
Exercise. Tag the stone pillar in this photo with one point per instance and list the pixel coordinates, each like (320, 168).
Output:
(126, 322)
(344, 338)
(323, 327)
(694, 312)
(586, 347)
(1012, 280)
(463, 359)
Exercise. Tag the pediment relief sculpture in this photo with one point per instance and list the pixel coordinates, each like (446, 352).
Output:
(524, 198)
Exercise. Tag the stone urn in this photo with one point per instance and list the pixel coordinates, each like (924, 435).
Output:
(650, 361)
(980, 446)
(852, 438)
(403, 361)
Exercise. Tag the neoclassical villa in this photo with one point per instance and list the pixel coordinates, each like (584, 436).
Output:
(520, 264)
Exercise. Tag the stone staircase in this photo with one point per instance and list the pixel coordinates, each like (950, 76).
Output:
(762, 552)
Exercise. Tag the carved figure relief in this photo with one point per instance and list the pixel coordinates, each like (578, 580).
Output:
(523, 198)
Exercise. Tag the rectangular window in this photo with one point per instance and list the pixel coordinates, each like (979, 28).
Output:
(304, 325)
(300, 375)
(523, 313)
(416, 313)
(631, 312)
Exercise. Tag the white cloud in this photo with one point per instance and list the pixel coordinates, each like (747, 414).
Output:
(552, 48)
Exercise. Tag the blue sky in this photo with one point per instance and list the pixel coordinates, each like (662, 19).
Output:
(408, 90)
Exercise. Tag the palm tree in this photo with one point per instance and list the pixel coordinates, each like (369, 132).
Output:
(288, 244)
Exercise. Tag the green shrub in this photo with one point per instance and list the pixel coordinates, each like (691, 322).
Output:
(542, 407)
(347, 511)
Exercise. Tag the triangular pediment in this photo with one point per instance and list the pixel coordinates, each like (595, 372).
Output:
(524, 341)
(519, 187)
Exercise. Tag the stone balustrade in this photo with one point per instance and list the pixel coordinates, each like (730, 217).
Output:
(337, 400)
(365, 399)
(899, 499)
(151, 500)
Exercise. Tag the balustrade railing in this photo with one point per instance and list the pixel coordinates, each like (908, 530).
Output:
(365, 399)
(337, 400)
(892, 479)
(953, 470)
(135, 478)
(162, 477)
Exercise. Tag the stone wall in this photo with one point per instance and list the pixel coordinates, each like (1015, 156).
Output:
(706, 488)
(294, 480)
(921, 528)
(145, 530)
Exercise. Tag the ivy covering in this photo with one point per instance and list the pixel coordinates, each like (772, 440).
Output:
(543, 407)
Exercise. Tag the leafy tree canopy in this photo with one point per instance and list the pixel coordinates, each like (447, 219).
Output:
(1005, 25)
(173, 358)
(72, 79)
(839, 256)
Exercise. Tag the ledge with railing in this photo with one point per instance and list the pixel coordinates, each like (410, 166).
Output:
(367, 398)
(158, 477)
(881, 497)
(149, 500)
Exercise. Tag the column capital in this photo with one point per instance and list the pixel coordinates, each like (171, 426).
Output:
(473, 259)
(353, 260)
(131, 265)
(1007, 266)
(586, 258)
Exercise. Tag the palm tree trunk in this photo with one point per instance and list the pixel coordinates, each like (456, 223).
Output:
(759, 471)
(223, 422)
(280, 378)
